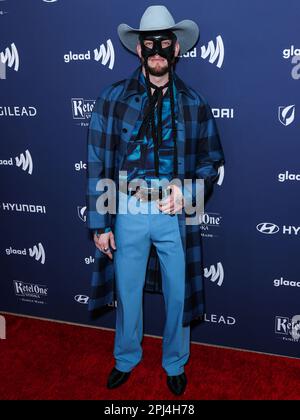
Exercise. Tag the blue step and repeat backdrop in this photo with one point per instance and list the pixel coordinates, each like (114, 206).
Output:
(55, 58)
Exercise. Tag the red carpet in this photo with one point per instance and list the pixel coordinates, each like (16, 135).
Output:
(47, 360)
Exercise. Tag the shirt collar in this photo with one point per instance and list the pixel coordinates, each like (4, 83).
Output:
(136, 84)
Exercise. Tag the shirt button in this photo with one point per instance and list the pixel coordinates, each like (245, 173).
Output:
(137, 99)
(124, 130)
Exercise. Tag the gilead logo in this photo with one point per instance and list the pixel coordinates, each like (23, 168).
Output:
(286, 114)
(81, 211)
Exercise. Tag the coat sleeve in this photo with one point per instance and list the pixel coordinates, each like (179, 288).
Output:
(96, 146)
(209, 154)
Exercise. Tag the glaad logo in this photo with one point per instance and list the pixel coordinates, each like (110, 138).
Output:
(286, 176)
(36, 252)
(30, 290)
(2, 12)
(89, 260)
(215, 274)
(23, 161)
(81, 213)
(82, 108)
(214, 53)
(221, 173)
(80, 166)
(271, 228)
(296, 69)
(10, 58)
(2, 328)
(267, 228)
(104, 54)
(295, 54)
(83, 299)
(290, 52)
(286, 114)
(286, 283)
(288, 328)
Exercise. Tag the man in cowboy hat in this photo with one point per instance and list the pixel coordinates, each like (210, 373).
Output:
(151, 127)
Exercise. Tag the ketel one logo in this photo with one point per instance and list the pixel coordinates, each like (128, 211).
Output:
(81, 213)
(82, 108)
(83, 299)
(286, 114)
(38, 253)
(25, 162)
(286, 326)
(215, 274)
(9, 57)
(267, 228)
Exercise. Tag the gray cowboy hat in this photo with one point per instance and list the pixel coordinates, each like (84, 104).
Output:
(157, 18)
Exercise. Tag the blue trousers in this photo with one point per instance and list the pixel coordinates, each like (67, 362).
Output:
(134, 234)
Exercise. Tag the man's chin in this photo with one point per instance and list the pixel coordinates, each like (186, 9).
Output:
(158, 71)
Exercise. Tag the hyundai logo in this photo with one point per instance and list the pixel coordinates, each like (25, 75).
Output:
(267, 228)
(83, 299)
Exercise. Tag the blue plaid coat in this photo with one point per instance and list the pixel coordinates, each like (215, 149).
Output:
(116, 111)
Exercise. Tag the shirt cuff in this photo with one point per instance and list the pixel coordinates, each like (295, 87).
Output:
(102, 230)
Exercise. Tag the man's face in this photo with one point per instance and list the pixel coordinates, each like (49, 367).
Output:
(157, 64)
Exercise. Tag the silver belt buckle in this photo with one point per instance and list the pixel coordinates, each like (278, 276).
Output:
(155, 193)
(144, 192)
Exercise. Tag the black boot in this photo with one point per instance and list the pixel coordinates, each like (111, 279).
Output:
(117, 378)
(177, 383)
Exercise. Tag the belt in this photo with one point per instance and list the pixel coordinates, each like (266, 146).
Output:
(149, 194)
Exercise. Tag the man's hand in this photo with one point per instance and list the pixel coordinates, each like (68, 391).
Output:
(104, 241)
(173, 203)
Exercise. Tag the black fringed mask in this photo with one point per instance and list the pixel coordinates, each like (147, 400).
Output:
(156, 99)
(157, 38)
